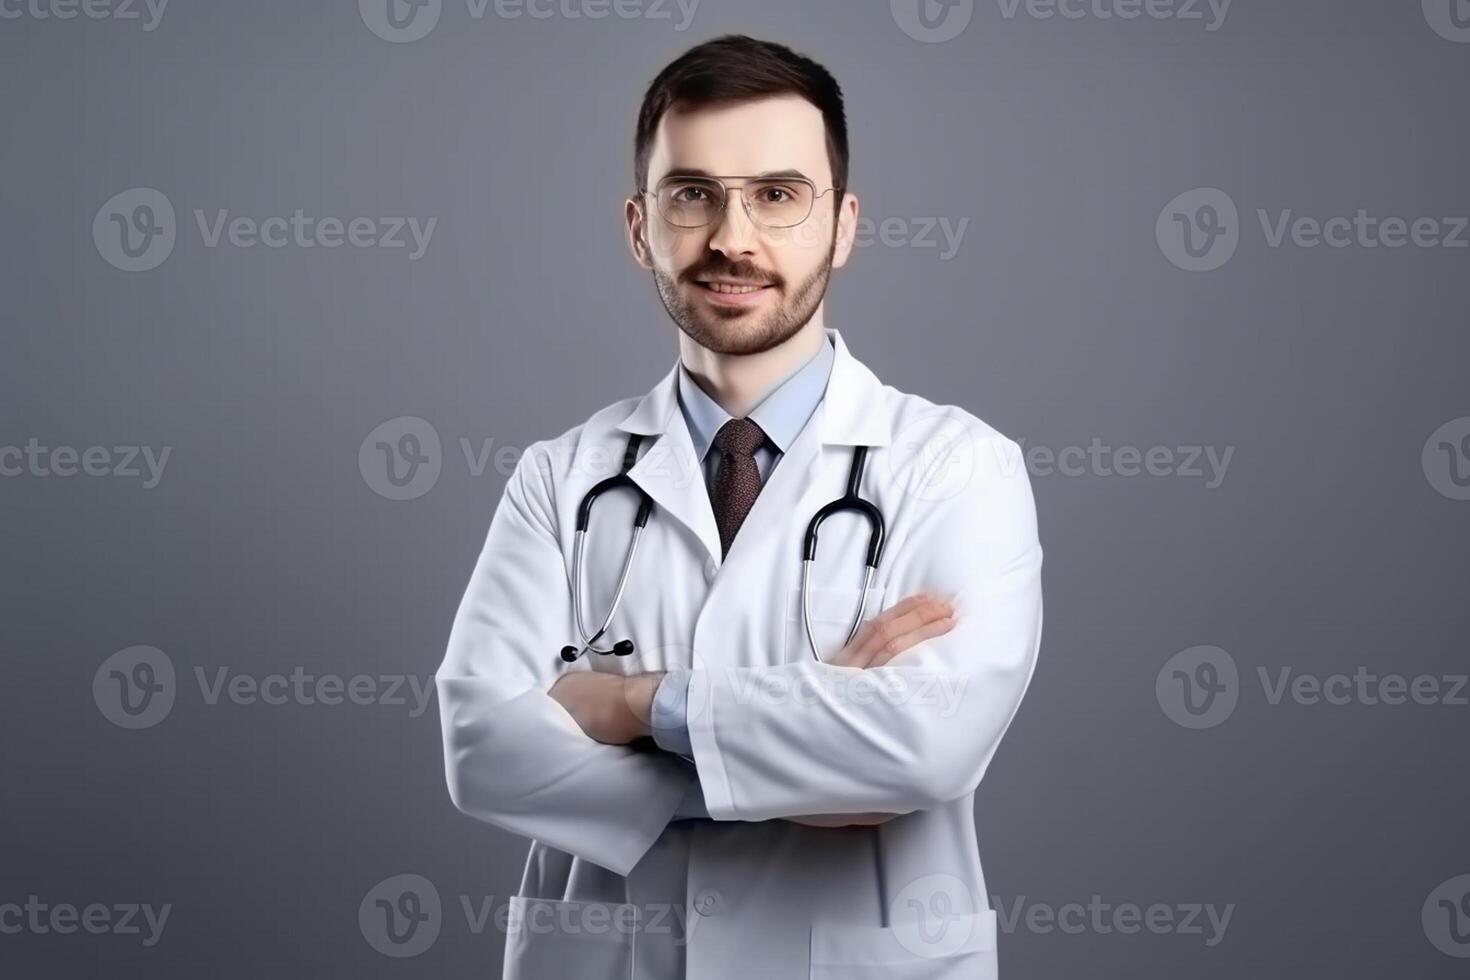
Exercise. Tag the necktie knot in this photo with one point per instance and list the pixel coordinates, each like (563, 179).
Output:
(739, 436)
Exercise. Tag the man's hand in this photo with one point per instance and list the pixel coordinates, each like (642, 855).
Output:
(609, 707)
(917, 618)
(913, 620)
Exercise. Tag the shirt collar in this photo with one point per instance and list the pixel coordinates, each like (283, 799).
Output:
(781, 414)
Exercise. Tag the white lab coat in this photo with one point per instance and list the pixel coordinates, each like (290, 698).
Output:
(612, 888)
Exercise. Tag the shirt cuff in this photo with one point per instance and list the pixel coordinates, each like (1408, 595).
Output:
(669, 715)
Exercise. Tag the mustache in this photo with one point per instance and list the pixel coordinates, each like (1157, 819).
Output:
(737, 270)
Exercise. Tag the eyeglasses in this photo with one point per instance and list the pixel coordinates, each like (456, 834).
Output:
(771, 202)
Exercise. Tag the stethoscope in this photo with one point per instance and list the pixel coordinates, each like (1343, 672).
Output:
(849, 501)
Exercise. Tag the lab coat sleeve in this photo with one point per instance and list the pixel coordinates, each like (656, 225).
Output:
(804, 737)
(514, 757)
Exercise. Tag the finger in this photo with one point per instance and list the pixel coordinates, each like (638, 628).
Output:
(912, 639)
(887, 633)
(888, 629)
(845, 656)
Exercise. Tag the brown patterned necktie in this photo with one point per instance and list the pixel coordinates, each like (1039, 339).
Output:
(738, 479)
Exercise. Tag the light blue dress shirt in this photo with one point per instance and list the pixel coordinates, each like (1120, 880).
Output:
(781, 414)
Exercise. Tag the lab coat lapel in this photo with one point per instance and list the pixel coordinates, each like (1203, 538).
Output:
(852, 412)
(667, 469)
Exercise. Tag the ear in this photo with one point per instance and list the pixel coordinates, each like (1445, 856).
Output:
(847, 216)
(637, 232)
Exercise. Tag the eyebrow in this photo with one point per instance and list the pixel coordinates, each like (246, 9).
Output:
(765, 175)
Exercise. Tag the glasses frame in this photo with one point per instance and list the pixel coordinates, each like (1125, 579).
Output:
(725, 190)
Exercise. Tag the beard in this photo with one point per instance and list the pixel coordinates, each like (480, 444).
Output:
(725, 331)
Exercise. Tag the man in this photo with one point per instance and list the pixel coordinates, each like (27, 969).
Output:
(742, 803)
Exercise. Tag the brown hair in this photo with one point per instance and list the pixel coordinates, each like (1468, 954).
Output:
(736, 68)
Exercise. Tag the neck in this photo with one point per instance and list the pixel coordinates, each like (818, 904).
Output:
(737, 382)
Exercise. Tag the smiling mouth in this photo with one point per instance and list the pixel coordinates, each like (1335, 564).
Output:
(732, 289)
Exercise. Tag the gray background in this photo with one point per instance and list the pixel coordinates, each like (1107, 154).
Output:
(265, 547)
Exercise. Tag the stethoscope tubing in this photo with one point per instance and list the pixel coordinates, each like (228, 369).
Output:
(577, 548)
(851, 500)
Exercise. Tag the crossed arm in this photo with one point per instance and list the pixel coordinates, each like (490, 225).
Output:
(617, 709)
(516, 724)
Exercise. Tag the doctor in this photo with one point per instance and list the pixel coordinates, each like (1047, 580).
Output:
(720, 803)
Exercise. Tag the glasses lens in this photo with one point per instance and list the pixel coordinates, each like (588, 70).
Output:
(690, 202)
(778, 203)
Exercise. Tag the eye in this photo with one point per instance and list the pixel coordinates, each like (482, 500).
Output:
(690, 194)
(777, 195)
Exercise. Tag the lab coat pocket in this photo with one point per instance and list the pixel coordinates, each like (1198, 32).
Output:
(958, 947)
(832, 612)
(547, 939)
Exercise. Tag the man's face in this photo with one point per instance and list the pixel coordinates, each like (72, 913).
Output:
(789, 267)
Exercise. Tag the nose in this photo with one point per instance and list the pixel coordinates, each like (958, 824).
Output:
(734, 231)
